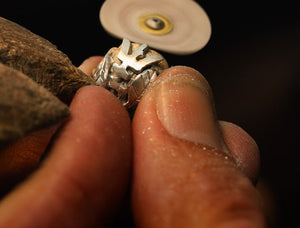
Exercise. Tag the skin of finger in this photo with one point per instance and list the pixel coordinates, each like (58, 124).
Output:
(90, 64)
(243, 148)
(85, 177)
(21, 157)
(182, 184)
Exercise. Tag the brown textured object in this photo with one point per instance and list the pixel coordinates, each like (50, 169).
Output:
(40, 60)
(25, 105)
(35, 77)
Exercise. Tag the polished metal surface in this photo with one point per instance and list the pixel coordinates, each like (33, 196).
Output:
(128, 70)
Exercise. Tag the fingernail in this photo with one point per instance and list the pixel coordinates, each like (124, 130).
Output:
(185, 108)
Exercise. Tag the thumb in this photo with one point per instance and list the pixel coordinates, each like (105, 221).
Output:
(184, 176)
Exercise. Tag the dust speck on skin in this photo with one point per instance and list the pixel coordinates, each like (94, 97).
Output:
(190, 155)
(218, 154)
(173, 154)
(146, 129)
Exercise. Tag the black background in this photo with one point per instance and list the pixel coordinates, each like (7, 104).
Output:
(251, 62)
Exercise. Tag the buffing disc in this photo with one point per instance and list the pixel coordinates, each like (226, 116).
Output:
(175, 26)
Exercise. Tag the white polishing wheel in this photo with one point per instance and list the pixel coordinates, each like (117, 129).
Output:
(174, 26)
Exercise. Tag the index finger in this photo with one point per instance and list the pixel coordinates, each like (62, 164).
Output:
(83, 180)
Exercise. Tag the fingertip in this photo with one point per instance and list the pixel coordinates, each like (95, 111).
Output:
(243, 148)
(184, 70)
(97, 97)
(88, 65)
(183, 102)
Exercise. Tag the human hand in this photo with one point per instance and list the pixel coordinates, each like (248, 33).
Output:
(185, 168)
